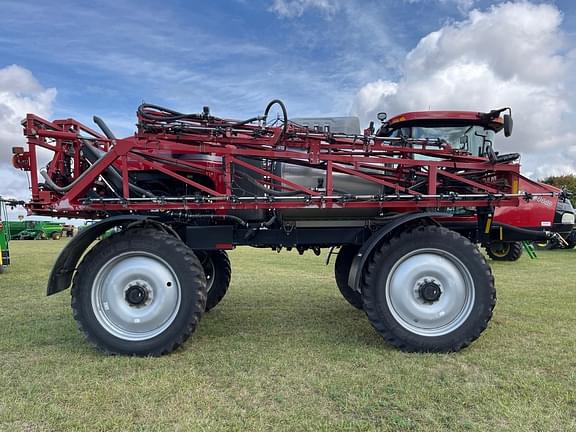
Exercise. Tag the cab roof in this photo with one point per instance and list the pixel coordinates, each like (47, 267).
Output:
(439, 118)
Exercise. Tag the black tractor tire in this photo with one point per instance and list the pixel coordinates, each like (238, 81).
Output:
(218, 271)
(571, 240)
(117, 283)
(342, 266)
(504, 251)
(56, 236)
(428, 289)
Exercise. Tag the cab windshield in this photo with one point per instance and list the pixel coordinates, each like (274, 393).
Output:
(465, 138)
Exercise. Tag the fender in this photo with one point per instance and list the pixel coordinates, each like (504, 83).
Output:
(65, 265)
(375, 239)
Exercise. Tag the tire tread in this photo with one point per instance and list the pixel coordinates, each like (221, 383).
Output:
(370, 299)
(155, 235)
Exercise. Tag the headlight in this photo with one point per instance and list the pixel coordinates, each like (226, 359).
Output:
(568, 218)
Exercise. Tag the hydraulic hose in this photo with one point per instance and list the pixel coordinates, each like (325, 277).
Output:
(104, 127)
(173, 115)
(167, 115)
(284, 114)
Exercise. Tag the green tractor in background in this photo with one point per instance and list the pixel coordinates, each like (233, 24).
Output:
(35, 230)
(4, 239)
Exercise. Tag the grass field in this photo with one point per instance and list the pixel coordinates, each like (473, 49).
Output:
(284, 351)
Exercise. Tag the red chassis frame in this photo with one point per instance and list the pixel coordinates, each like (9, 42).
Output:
(451, 179)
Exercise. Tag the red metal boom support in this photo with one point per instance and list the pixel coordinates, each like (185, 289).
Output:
(205, 154)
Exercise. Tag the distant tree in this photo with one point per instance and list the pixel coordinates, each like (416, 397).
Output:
(567, 181)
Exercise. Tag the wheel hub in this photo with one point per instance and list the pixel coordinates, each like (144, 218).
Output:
(429, 291)
(138, 294)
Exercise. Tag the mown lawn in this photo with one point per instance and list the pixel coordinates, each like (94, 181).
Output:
(284, 351)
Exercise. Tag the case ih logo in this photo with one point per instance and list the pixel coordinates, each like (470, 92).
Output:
(544, 201)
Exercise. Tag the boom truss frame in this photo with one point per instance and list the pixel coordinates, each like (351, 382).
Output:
(416, 174)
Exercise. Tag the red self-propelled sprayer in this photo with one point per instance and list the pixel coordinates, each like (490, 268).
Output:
(186, 187)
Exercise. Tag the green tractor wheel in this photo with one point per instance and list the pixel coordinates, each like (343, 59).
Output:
(504, 251)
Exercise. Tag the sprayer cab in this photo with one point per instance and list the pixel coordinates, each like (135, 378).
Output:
(466, 131)
(474, 133)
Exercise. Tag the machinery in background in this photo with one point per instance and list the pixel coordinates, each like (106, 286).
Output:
(4, 237)
(35, 230)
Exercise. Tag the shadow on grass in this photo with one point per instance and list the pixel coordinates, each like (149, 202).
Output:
(331, 322)
(317, 323)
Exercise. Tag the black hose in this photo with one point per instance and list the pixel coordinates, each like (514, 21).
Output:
(175, 115)
(168, 115)
(284, 114)
(270, 221)
(104, 127)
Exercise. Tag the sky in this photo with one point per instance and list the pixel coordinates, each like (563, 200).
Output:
(65, 58)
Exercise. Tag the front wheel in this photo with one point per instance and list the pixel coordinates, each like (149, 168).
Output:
(428, 290)
(139, 292)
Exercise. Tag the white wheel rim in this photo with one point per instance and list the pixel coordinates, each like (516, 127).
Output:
(430, 268)
(139, 276)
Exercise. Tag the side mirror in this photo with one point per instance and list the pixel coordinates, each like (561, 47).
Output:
(381, 116)
(508, 124)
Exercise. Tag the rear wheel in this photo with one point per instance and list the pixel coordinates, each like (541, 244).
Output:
(218, 271)
(504, 251)
(56, 236)
(139, 292)
(428, 290)
(341, 272)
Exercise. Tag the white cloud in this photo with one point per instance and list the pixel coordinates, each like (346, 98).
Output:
(512, 54)
(463, 6)
(20, 93)
(296, 8)
(369, 97)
